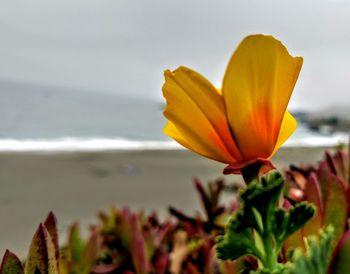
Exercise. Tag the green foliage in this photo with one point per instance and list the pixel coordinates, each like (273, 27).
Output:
(288, 222)
(260, 227)
(318, 255)
(79, 256)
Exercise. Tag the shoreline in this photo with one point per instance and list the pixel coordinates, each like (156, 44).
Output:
(75, 185)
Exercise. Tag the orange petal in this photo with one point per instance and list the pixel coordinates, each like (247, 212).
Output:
(257, 86)
(196, 112)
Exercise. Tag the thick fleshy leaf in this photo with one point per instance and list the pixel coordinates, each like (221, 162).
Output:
(322, 174)
(11, 264)
(339, 165)
(138, 247)
(75, 244)
(42, 255)
(341, 258)
(335, 207)
(90, 254)
(197, 116)
(51, 225)
(81, 255)
(257, 86)
(312, 194)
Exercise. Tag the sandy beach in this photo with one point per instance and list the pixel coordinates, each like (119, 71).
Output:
(75, 185)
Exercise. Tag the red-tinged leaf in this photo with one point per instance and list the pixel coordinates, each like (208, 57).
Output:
(230, 267)
(42, 256)
(138, 247)
(340, 263)
(160, 262)
(125, 229)
(205, 200)
(322, 175)
(298, 178)
(11, 264)
(105, 269)
(215, 190)
(348, 198)
(312, 194)
(340, 161)
(191, 269)
(330, 162)
(335, 206)
(51, 226)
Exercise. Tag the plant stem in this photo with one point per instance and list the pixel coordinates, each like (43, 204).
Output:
(270, 252)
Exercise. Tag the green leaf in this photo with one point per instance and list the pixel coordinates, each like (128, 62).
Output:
(76, 244)
(11, 264)
(259, 202)
(298, 216)
(42, 254)
(317, 257)
(259, 228)
(81, 255)
(264, 194)
(238, 240)
(287, 223)
(341, 258)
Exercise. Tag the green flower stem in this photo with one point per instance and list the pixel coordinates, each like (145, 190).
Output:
(270, 261)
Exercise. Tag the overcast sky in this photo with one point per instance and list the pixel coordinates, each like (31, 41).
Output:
(123, 46)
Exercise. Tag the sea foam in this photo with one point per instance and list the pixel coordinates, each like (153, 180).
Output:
(103, 144)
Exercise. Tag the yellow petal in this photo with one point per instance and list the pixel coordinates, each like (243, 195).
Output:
(197, 115)
(289, 124)
(174, 133)
(257, 86)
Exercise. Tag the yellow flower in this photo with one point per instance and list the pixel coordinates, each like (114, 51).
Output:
(245, 121)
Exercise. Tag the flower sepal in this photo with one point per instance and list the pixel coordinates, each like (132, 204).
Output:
(251, 169)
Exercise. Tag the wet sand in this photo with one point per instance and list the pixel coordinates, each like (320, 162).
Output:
(74, 185)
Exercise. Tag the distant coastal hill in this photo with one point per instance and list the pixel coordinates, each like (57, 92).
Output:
(328, 120)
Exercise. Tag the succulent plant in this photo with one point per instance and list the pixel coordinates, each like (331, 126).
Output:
(43, 255)
(130, 242)
(327, 186)
(79, 256)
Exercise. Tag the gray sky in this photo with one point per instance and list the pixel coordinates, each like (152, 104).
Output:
(123, 46)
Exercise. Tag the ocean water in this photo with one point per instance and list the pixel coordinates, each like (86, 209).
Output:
(41, 118)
